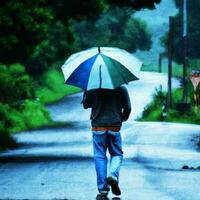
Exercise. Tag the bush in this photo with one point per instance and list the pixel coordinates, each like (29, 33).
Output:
(116, 27)
(15, 84)
(6, 140)
(31, 115)
(28, 115)
(53, 87)
(59, 43)
(34, 114)
(4, 115)
(195, 63)
(154, 111)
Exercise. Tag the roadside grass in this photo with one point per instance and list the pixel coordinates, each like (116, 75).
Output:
(51, 88)
(31, 113)
(24, 115)
(177, 69)
(154, 110)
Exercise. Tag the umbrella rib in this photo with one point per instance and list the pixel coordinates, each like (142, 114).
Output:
(100, 76)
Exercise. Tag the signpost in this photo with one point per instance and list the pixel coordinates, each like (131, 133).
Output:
(185, 54)
(195, 78)
(184, 106)
(170, 57)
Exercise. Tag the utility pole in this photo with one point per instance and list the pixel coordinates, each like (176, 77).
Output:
(160, 63)
(183, 106)
(185, 51)
(170, 56)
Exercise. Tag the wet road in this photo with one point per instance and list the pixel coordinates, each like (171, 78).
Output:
(57, 163)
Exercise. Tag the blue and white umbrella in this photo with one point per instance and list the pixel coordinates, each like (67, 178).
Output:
(104, 67)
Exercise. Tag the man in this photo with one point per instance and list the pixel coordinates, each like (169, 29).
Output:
(109, 109)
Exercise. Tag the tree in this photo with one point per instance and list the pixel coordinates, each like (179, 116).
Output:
(15, 84)
(193, 31)
(77, 9)
(39, 33)
(135, 4)
(59, 43)
(116, 27)
(23, 25)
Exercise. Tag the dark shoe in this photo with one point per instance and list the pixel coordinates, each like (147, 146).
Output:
(114, 185)
(102, 196)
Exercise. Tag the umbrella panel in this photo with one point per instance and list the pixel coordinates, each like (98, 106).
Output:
(80, 75)
(99, 75)
(118, 73)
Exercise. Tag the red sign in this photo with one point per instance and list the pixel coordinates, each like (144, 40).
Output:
(195, 78)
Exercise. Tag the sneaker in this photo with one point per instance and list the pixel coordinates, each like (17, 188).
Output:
(114, 185)
(102, 196)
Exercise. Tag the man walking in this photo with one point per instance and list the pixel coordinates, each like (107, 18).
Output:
(109, 109)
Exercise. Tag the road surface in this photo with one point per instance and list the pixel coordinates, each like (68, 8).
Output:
(57, 163)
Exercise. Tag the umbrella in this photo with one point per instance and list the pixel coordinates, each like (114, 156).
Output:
(101, 67)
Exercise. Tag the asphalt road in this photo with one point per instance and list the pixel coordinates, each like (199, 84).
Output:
(57, 163)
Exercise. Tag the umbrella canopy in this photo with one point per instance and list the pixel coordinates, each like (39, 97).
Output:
(104, 67)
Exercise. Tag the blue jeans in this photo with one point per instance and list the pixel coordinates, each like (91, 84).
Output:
(103, 140)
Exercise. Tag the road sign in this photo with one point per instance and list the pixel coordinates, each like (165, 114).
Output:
(195, 78)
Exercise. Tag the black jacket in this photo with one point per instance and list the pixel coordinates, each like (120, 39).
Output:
(109, 107)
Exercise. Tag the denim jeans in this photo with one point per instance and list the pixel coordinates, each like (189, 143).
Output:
(103, 140)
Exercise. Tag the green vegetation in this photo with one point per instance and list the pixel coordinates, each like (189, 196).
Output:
(177, 69)
(6, 140)
(193, 31)
(154, 110)
(116, 27)
(22, 116)
(37, 37)
(136, 4)
(52, 87)
(18, 107)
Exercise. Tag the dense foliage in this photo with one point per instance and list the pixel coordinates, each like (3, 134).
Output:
(23, 25)
(193, 31)
(37, 36)
(116, 27)
(155, 110)
(136, 4)
(15, 84)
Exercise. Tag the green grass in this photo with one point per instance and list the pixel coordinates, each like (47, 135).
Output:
(177, 69)
(52, 87)
(31, 114)
(153, 111)
(27, 115)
